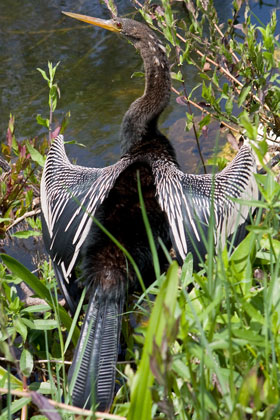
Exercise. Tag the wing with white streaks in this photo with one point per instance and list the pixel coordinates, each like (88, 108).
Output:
(189, 200)
(70, 195)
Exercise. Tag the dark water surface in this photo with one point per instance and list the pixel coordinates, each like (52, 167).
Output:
(94, 77)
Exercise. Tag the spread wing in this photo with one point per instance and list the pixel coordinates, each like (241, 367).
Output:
(189, 201)
(70, 195)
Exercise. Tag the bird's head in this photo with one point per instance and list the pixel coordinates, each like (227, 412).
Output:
(131, 29)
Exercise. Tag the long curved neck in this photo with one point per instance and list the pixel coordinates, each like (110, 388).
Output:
(142, 115)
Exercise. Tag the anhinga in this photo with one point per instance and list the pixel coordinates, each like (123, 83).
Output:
(178, 206)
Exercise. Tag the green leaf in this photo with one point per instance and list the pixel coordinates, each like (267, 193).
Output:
(36, 308)
(65, 122)
(253, 312)
(75, 142)
(246, 123)
(205, 121)
(43, 73)
(243, 252)
(14, 145)
(35, 155)
(181, 369)
(52, 70)
(249, 336)
(43, 121)
(177, 76)
(26, 363)
(30, 279)
(243, 94)
(5, 219)
(219, 161)
(14, 381)
(229, 105)
(21, 328)
(25, 234)
(207, 92)
(42, 387)
(4, 347)
(225, 89)
(27, 322)
(138, 74)
(45, 324)
(53, 97)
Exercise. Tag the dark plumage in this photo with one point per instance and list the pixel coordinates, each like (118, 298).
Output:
(178, 207)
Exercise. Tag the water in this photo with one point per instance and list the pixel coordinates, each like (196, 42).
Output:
(94, 77)
(94, 74)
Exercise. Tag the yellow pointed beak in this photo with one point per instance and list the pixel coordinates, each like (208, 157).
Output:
(106, 24)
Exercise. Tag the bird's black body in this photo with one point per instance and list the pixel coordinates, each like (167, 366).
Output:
(121, 215)
(178, 208)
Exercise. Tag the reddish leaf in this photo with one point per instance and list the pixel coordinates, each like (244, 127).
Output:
(239, 26)
(56, 132)
(159, 11)
(205, 131)
(232, 141)
(22, 150)
(181, 100)
(10, 131)
(206, 67)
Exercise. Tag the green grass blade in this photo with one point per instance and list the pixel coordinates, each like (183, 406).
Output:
(148, 229)
(75, 320)
(141, 398)
(14, 407)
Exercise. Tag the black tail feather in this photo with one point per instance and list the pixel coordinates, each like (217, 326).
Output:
(99, 339)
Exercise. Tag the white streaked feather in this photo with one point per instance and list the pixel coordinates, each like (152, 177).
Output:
(62, 182)
(204, 191)
(177, 239)
(65, 275)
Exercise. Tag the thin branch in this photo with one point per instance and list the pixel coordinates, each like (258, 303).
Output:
(72, 409)
(24, 216)
(64, 362)
(138, 3)
(111, 7)
(4, 359)
(230, 127)
(223, 36)
(50, 123)
(195, 133)
(24, 410)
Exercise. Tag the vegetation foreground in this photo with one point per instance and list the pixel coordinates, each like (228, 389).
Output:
(206, 345)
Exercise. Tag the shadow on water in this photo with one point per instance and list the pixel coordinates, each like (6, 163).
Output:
(94, 77)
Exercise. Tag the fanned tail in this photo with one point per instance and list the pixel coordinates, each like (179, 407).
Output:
(96, 354)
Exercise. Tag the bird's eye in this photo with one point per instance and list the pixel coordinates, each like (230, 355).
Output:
(119, 25)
